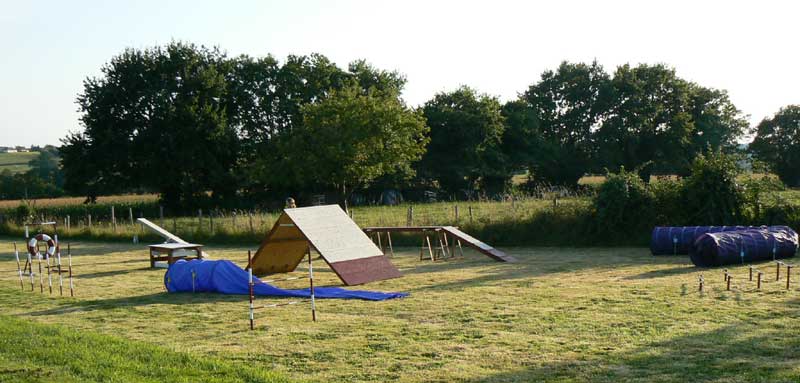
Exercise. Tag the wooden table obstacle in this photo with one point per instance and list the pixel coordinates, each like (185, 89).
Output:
(253, 306)
(172, 252)
(446, 240)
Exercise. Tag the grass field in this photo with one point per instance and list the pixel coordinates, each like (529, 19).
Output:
(16, 162)
(68, 201)
(560, 314)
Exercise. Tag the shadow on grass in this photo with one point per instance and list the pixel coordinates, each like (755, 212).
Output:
(682, 270)
(160, 298)
(756, 350)
(114, 273)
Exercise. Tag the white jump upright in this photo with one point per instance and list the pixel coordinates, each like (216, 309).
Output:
(253, 307)
(19, 268)
(30, 269)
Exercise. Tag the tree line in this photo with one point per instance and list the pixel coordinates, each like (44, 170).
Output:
(195, 125)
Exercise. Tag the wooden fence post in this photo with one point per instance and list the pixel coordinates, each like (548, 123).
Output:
(410, 218)
(90, 221)
(69, 224)
(113, 219)
(455, 211)
(250, 218)
(470, 214)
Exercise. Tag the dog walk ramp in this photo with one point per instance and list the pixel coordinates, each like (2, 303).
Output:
(476, 244)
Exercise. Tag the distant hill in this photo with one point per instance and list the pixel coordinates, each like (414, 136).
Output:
(16, 162)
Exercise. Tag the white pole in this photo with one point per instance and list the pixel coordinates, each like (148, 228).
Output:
(69, 262)
(30, 263)
(41, 277)
(49, 275)
(311, 284)
(60, 278)
(19, 269)
(250, 279)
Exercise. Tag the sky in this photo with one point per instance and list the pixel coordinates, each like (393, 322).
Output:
(499, 47)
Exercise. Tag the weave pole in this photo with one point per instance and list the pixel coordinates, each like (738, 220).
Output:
(311, 287)
(60, 276)
(30, 267)
(69, 260)
(41, 277)
(49, 275)
(702, 282)
(778, 271)
(250, 284)
(788, 275)
(19, 268)
(759, 280)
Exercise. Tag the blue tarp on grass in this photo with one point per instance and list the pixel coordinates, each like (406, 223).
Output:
(224, 277)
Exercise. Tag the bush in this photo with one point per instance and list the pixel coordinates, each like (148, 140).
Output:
(623, 204)
(668, 204)
(712, 193)
(23, 213)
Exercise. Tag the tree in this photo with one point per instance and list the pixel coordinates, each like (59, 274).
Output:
(347, 140)
(46, 166)
(156, 119)
(657, 118)
(568, 104)
(465, 152)
(777, 143)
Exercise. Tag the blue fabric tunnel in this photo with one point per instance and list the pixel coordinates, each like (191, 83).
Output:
(744, 246)
(678, 240)
(225, 277)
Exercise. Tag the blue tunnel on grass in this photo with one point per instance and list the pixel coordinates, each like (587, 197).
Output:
(225, 277)
(744, 246)
(678, 240)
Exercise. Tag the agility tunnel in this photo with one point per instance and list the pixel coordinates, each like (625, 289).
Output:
(673, 240)
(744, 246)
(225, 277)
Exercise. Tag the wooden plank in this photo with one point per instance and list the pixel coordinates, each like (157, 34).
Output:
(478, 245)
(333, 233)
(160, 231)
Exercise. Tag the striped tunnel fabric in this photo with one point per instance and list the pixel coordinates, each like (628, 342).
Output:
(677, 240)
(744, 246)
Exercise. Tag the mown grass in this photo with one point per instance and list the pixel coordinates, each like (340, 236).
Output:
(34, 352)
(560, 314)
(16, 162)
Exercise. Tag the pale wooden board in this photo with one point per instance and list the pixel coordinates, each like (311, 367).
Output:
(160, 231)
(333, 233)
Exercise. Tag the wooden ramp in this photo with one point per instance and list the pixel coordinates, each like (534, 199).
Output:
(476, 244)
(328, 230)
(169, 237)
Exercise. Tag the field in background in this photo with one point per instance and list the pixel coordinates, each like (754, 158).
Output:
(77, 201)
(561, 314)
(504, 219)
(16, 162)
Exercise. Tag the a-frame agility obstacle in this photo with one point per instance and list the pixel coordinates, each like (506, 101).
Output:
(328, 230)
